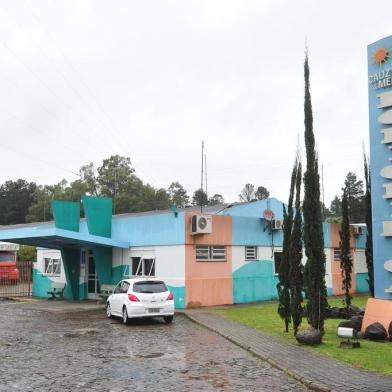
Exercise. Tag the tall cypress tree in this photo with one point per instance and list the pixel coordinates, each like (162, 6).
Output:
(296, 268)
(346, 263)
(283, 287)
(369, 225)
(313, 229)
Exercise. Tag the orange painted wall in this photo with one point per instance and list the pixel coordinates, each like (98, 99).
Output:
(377, 310)
(209, 283)
(337, 280)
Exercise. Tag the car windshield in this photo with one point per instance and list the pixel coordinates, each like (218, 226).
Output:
(149, 287)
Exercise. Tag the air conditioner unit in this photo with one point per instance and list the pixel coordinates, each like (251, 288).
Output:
(201, 224)
(277, 224)
(357, 230)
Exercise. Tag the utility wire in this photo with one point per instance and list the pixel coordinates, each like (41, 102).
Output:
(36, 158)
(45, 85)
(86, 86)
(63, 76)
(46, 135)
(71, 66)
(87, 140)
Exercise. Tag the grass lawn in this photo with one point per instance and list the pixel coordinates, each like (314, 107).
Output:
(375, 356)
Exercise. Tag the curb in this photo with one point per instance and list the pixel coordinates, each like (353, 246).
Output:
(21, 299)
(310, 384)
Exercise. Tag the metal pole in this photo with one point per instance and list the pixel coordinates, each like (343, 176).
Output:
(115, 190)
(322, 187)
(205, 166)
(202, 175)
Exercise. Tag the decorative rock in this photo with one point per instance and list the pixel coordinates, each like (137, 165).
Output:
(354, 310)
(333, 312)
(309, 337)
(355, 322)
(375, 331)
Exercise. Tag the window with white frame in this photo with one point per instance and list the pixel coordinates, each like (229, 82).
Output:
(142, 267)
(52, 266)
(210, 253)
(250, 252)
(277, 261)
(336, 253)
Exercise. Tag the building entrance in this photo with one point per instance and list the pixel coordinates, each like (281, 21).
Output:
(92, 278)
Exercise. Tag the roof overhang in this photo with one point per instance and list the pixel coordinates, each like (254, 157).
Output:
(54, 238)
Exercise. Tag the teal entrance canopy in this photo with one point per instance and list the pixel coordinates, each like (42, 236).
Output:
(69, 235)
(65, 230)
(53, 238)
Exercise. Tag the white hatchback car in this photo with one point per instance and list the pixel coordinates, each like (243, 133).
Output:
(141, 297)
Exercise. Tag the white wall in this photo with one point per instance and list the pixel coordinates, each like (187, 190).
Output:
(263, 253)
(360, 261)
(120, 256)
(169, 262)
(39, 265)
(328, 267)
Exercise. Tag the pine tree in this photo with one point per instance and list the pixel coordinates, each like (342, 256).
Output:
(355, 199)
(283, 287)
(313, 230)
(369, 225)
(346, 263)
(296, 268)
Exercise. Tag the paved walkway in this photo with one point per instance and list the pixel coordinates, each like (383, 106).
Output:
(315, 371)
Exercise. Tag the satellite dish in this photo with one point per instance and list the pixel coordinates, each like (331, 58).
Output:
(268, 214)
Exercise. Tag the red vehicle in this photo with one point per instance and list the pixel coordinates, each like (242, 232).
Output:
(8, 271)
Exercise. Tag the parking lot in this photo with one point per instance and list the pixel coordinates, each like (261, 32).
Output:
(67, 351)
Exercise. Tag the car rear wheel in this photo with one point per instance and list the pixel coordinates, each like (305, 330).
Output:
(168, 319)
(109, 311)
(125, 318)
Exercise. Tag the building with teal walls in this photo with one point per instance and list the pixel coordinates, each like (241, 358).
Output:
(103, 249)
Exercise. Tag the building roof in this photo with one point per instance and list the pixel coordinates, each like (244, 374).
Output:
(225, 209)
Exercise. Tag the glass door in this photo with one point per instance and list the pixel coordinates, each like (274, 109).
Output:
(92, 278)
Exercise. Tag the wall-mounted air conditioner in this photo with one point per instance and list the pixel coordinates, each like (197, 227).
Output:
(201, 224)
(277, 224)
(357, 230)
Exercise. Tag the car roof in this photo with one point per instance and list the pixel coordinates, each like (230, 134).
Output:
(142, 279)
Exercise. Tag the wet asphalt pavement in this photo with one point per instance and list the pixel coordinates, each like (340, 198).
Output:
(84, 351)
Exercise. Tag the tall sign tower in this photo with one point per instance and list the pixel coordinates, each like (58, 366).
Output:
(380, 124)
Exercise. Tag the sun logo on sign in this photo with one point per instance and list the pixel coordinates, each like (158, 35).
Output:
(381, 56)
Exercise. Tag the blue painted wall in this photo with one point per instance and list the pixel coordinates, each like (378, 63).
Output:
(361, 282)
(250, 231)
(179, 296)
(327, 235)
(42, 284)
(360, 241)
(254, 281)
(159, 229)
(118, 273)
(256, 208)
(380, 156)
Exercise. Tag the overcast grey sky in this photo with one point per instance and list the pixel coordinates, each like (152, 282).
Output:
(81, 80)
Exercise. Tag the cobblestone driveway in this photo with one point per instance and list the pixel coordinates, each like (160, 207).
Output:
(43, 351)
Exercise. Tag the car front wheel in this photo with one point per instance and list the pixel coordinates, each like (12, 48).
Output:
(108, 311)
(125, 318)
(168, 319)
